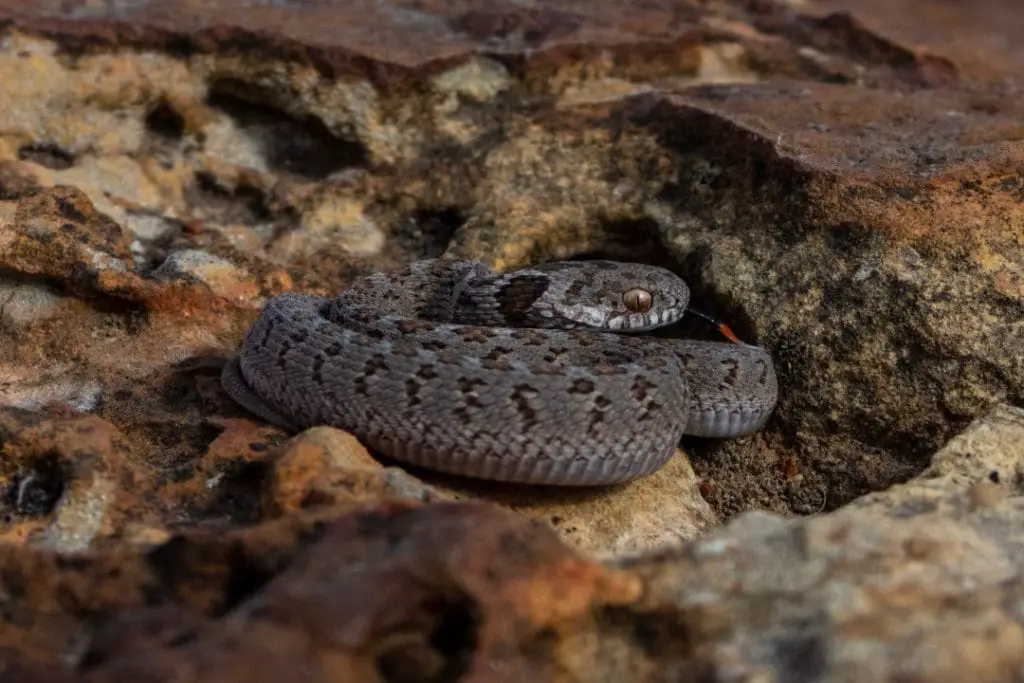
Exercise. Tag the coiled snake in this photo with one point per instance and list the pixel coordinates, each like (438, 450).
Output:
(516, 377)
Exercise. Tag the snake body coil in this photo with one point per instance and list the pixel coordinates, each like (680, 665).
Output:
(514, 377)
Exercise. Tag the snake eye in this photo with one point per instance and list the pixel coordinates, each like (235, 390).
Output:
(637, 300)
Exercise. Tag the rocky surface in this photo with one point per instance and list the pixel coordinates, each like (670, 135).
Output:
(920, 582)
(840, 181)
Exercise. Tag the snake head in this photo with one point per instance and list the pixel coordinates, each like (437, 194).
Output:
(608, 295)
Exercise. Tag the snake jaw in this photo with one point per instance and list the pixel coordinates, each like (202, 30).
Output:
(593, 318)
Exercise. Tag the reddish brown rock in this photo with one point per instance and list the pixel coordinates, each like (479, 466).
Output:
(68, 482)
(918, 583)
(57, 234)
(324, 467)
(400, 592)
(459, 591)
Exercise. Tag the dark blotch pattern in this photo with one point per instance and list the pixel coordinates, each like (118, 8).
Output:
(528, 337)
(556, 353)
(498, 353)
(468, 386)
(641, 387)
(475, 335)
(516, 298)
(282, 355)
(412, 391)
(412, 326)
(582, 386)
(521, 395)
(434, 345)
(732, 371)
(376, 363)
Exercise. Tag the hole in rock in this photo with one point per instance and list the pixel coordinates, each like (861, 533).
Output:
(657, 634)
(427, 233)
(50, 156)
(803, 653)
(705, 298)
(238, 492)
(633, 240)
(36, 488)
(300, 145)
(243, 205)
(165, 122)
(182, 386)
(735, 480)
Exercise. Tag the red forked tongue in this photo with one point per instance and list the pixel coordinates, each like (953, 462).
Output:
(722, 328)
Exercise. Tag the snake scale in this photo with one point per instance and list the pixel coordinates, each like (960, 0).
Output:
(522, 376)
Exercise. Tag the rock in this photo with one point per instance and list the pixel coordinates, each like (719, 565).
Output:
(120, 188)
(71, 475)
(399, 591)
(32, 389)
(336, 223)
(881, 369)
(24, 304)
(652, 514)
(57, 234)
(478, 80)
(913, 584)
(223, 278)
(916, 583)
(324, 466)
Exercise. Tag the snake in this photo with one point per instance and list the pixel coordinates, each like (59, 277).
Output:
(539, 375)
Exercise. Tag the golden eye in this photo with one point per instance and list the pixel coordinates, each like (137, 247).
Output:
(637, 300)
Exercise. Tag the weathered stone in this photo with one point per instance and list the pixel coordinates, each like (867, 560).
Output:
(67, 482)
(57, 234)
(657, 512)
(24, 304)
(920, 582)
(398, 591)
(36, 389)
(324, 466)
(221, 276)
(334, 222)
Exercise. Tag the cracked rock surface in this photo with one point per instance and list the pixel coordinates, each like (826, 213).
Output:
(840, 181)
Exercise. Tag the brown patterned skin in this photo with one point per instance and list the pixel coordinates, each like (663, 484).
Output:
(514, 377)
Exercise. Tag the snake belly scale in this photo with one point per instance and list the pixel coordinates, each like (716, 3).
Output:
(535, 375)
